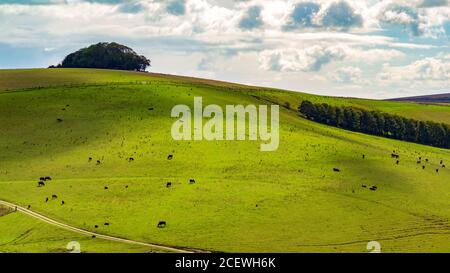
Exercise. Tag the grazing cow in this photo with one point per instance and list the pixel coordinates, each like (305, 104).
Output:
(191, 181)
(130, 159)
(54, 196)
(106, 224)
(170, 157)
(47, 178)
(336, 170)
(106, 188)
(168, 184)
(41, 183)
(395, 156)
(373, 188)
(161, 224)
(59, 120)
(98, 162)
(42, 178)
(46, 200)
(62, 202)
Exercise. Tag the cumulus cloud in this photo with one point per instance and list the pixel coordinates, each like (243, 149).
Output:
(308, 59)
(337, 15)
(176, 7)
(341, 15)
(430, 72)
(401, 15)
(252, 19)
(303, 15)
(312, 59)
(347, 74)
(133, 7)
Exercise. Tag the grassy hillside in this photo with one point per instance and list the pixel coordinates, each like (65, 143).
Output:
(21, 233)
(243, 199)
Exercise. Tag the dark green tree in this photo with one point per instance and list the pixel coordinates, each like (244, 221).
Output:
(106, 56)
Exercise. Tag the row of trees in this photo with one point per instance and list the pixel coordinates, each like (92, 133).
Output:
(378, 123)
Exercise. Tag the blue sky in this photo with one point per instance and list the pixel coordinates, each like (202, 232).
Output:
(371, 49)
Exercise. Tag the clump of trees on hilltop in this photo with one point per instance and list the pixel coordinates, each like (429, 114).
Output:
(105, 56)
(378, 123)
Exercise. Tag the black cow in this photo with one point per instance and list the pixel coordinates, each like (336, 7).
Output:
(363, 156)
(59, 120)
(170, 157)
(336, 170)
(90, 159)
(41, 184)
(364, 186)
(42, 178)
(151, 108)
(168, 184)
(443, 166)
(47, 178)
(54, 196)
(46, 200)
(96, 226)
(423, 167)
(106, 224)
(62, 202)
(373, 188)
(126, 187)
(437, 170)
(426, 159)
(130, 159)
(395, 156)
(441, 162)
(106, 188)
(191, 181)
(418, 162)
(398, 161)
(29, 207)
(161, 224)
(99, 162)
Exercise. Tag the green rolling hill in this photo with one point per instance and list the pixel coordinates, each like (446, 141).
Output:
(244, 200)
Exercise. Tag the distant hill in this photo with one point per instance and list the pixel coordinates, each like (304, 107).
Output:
(438, 98)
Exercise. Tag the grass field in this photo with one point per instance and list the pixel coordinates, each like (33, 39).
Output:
(289, 200)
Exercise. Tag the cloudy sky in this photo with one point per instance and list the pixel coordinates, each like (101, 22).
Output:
(372, 49)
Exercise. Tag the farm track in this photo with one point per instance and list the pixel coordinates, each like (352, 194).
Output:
(97, 235)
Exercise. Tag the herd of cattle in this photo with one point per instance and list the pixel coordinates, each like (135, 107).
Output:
(162, 224)
(43, 179)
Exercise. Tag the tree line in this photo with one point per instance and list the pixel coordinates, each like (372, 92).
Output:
(378, 123)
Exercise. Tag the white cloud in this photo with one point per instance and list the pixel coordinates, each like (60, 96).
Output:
(347, 74)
